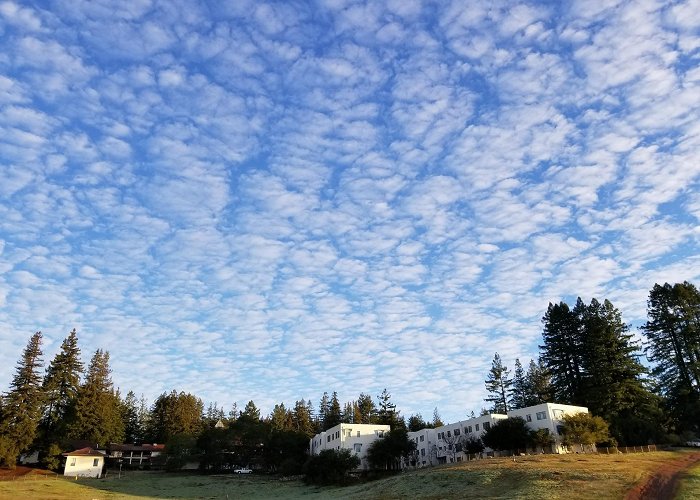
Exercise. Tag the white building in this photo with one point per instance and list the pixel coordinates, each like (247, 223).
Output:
(354, 437)
(548, 416)
(84, 462)
(445, 444)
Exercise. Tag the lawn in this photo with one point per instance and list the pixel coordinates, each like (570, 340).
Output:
(542, 477)
(690, 485)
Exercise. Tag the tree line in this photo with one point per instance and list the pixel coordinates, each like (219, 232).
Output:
(589, 357)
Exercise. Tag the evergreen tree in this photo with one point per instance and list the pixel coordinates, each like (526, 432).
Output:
(280, 418)
(521, 388)
(386, 410)
(498, 386)
(561, 352)
(366, 409)
(21, 406)
(416, 423)
(437, 421)
(180, 413)
(133, 433)
(250, 412)
(98, 409)
(539, 384)
(333, 415)
(324, 407)
(302, 418)
(60, 387)
(348, 413)
(673, 334)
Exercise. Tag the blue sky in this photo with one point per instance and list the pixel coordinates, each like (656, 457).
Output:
(264, 201)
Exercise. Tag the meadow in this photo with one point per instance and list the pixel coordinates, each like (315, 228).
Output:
(542, 477)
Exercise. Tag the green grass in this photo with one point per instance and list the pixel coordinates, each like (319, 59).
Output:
(690, 485)
(542, 477)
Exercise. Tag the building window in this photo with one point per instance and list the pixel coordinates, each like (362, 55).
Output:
(487, 425)
(328, 439)
(560, 430)
(449, 434)
(422, 452)
(422, 438)
(558, 413)
(528, 418)
(357, 447)
(541, 415)
(476, 427)
(358, 433)
(72, 462)
(469, 429)
(96, 462)
(457, 432)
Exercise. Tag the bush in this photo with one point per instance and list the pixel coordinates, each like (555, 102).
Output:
(507, 434)
(330, 466)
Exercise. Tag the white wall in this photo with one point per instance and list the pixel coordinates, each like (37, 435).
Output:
(354, 437)
(548, 416)
(83, 466)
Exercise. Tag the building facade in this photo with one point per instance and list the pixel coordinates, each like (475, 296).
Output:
(548, 416)
(85, 462)
(354, 437)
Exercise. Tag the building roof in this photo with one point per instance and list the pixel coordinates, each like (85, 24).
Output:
(136, 447)
(84, 452)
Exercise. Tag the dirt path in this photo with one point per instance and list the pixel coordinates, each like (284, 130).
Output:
(663, 484)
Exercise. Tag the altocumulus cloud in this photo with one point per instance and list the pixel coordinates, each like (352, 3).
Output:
(253, 200)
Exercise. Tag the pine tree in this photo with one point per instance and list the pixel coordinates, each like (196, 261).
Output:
(60, 387)
(181, 413)
(98, 408)
(333, 416)
(498, 386)
(302, 418)
(437, 421)
(386, 410)
(539, 384)
(21, 406)
(561, 352)
(133, 433)
(366, 409)
(348, 413)
(521, 388)
(673, 333)
(280, 418)
(323, 408)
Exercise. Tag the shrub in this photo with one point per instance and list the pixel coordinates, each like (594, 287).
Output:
(330, 466)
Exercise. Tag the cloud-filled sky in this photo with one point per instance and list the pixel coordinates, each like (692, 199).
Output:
(265, 201)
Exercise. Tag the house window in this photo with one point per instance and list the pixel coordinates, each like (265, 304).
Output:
(357, 447)
(422, 438)
(476, 426)
(457, 432)
(96, 462)
(541, 415)
(72, 462)
(528, 418)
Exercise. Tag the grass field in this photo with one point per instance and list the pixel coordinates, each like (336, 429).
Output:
(690, 485)
(542, 477)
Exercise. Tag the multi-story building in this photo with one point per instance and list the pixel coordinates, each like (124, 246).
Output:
(425, 454)
(548, 416)
(450, 437)
(354, 437)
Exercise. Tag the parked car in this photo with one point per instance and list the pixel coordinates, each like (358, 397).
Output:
(242, 470)
(695, 444)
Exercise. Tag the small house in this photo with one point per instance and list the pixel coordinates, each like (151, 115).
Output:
(85, 462)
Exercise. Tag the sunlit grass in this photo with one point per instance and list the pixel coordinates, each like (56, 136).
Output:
(541, 477)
